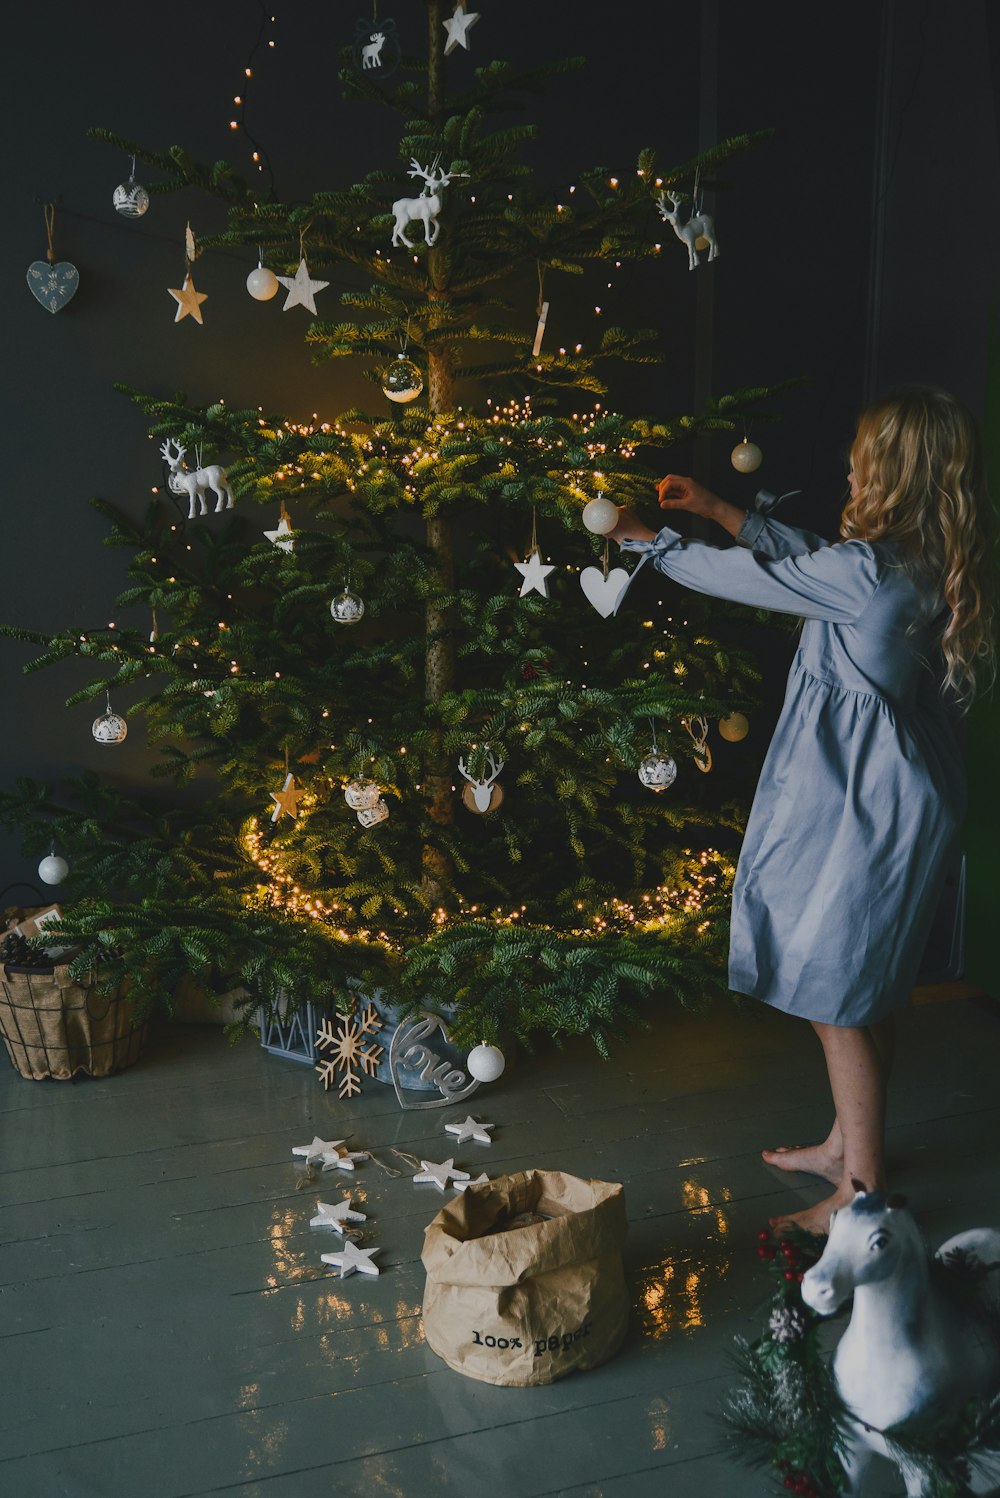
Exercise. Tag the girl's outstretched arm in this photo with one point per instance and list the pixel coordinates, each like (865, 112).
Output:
(835, 583)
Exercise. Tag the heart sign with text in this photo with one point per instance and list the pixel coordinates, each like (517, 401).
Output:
(411, 1046)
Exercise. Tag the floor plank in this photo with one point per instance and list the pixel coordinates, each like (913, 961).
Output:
(167, 1328)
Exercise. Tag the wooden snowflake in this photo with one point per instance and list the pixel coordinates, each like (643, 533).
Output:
(351, 1054)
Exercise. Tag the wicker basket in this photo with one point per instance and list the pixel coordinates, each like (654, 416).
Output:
(53, 1026)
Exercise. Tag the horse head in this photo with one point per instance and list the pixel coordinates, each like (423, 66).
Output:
(869, 1240)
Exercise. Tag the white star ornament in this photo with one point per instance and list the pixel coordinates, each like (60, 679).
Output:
(336, 1215)
(430, 1171)
(301, 289)
(317, 1149)
(471, 1128)
(351, 1257)
(534, 572)
(458, 27)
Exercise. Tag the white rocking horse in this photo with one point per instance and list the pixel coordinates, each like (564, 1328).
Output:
(909, 1347)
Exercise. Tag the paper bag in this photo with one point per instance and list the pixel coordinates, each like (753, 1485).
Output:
(524, 1278)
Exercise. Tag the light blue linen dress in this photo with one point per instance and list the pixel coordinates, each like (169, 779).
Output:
(862, 791)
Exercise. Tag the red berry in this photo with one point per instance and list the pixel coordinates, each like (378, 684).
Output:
(789, 1482)
(802, 1486)
(790, 1274)
(762, 1252)
(770, 1253)
(763, 1236)
(800, 1276)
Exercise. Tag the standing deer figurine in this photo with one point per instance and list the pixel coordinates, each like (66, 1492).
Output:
(425, 208)
(698, 226)
(482, 790)
(181, 480)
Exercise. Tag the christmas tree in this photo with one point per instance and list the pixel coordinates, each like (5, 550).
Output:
(485, 723)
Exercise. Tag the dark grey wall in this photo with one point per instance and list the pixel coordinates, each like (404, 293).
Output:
(791, 290)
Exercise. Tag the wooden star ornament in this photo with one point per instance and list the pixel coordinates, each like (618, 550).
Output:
(188, 300)
(286, 800)
(301, 289)
(458, 26)
(534, 572)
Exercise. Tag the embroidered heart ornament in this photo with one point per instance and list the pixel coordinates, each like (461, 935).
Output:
(604, 592)
(53, 285)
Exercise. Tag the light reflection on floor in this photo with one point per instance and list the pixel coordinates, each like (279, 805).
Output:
(672, 1293)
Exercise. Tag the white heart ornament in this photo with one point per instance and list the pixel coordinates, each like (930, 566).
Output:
(53, 285)
(604, 592)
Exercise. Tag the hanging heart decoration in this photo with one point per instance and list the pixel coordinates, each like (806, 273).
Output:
(53, 285)
(604, 592)
(410, 1047)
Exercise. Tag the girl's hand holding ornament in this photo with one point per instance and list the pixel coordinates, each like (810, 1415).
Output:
(675, 492)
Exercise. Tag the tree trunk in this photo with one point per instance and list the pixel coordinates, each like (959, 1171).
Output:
(439, 665)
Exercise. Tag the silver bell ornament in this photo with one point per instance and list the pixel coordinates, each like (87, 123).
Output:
(53, 869)
(485, 1063)
(370, 816)
(746, 456)
(361, 793)
(109, 728)
(130, 198)
(262, 283)
(402, 381)
(347, 607)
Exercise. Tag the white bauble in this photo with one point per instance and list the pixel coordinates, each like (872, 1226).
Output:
(53, 869)
(361, 793)
(657, 771)
(734, 728)
(485, 1063)
(110, 728)
(601, 516)
(347, 607)
(746, 457)
(370, 816)
(262, 284)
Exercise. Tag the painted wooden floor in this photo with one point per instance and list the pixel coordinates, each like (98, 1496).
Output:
(167, 1328)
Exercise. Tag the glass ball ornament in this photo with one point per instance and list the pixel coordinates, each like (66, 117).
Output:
(746, 457)
(53, 869)
(370, 816)
(110, 728)
(485, 1063)
(361, 793)
(130, 199)
(600, 516)
(262, 284)
(734, 727)
(657, 771)
(347, 607)
(402, 381)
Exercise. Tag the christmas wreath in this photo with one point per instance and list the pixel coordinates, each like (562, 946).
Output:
(785, 1410)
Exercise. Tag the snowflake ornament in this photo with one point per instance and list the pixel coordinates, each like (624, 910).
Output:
(352, 1050)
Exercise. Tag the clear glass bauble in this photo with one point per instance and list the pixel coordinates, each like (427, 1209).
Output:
(110, 728)
(361, 793)
(402, 381)
(370, 816)
(130, 199)
(746, 457)
(262, 284)
(657, 771)
(347, 607)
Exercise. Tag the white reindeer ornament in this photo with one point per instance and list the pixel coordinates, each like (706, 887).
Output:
(181, 480)
(698, 232)
(426, 208)
(482, 795)
(910, 1348)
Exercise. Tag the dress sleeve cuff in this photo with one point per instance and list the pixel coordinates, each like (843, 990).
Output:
(749, 531)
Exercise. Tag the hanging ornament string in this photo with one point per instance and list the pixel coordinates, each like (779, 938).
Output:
(606, 557)
(542, 310)
(50, 226)
(238, 119)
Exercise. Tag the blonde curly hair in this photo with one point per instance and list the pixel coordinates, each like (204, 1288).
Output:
(918, 469)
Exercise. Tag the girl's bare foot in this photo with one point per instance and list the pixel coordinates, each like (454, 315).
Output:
(811, 1159)
(814, 1219)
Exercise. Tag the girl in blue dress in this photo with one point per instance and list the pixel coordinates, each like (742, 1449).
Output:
(862, 792)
